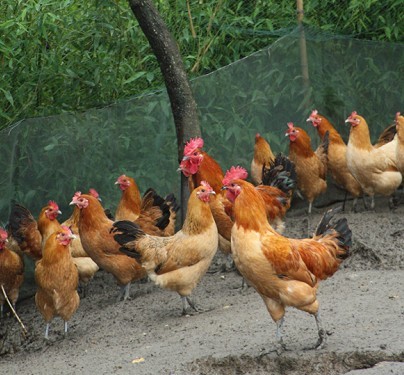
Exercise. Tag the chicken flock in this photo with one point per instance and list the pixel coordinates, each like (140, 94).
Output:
(225, 211)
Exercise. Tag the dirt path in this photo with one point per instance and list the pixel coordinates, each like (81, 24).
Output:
(362, 308)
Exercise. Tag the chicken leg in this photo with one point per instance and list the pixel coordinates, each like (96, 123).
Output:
(124, 293)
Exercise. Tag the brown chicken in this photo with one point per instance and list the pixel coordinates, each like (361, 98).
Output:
(99, 244)
(374, 167)
(178, 262)
(284, 271)
(85, 265)
(29, 234)
(57, 279)
(263, 157)
(154, 214)
(11, 272)
(311, 167)
(399, 122)
(336, 161)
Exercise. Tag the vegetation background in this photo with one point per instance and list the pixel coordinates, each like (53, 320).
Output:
(64, 56)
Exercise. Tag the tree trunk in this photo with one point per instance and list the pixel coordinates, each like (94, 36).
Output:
(182, 101)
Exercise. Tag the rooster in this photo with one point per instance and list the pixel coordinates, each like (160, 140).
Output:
(11, 272)
(284, 271)
(29, 235)
(336, 161)
(154, 214)
(374, 167)
(311, 167)
(94, 230)
(57, 279)
(178, 262)
(263, 157)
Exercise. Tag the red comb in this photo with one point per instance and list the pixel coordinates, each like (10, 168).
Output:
(234, 173)
(192, 145)
(290, 125)
(314, 113)
(397, 115)
(3, 234)
(67, 229)
(206, 184)
(77, 194)
(53, 205)
(353, 114)
(94, 193)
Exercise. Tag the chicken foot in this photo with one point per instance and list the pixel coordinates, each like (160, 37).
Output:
(187, 301)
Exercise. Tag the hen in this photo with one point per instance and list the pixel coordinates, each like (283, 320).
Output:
(400, 142)
(263, 157)
(178, 262)
(11, 272)
(154, 214)
(336, 161)
(28, 234)
(85, 265)
(311, 167)
(57, 279)
(284, 271)
(94, 230)
(374, 167)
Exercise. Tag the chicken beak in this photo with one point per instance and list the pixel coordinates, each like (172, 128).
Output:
(72, 236)
(212, 192)
(223, 188)
(59, 212)
(185, 158)
(179, 169)
(116, 183)
(72, 203)
(286, 134)
(347, 120)
(308, 120)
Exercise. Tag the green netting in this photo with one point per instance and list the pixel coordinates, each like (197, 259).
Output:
(52, 157)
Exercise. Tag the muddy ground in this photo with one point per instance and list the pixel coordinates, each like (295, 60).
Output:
(362, 308)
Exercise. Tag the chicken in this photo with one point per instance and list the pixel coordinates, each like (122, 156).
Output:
(86, 267)
(374, 167)
(336, 161)
(29, 234)
(311, 167)
(284, 271)
(178, 262)
(11, 272)
(154, 214)
(263, 156)
(399, 122)
(57, 279)
(94, 230)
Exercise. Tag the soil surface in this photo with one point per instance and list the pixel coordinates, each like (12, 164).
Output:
(362, 308)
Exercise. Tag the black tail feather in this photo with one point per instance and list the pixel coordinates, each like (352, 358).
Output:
(19, 216)
(125, 232)
(326, 142)
(281, 174)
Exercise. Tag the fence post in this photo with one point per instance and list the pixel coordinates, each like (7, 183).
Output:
(303, 51)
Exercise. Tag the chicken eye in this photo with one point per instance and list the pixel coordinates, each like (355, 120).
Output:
(203, 190)
(195, 153)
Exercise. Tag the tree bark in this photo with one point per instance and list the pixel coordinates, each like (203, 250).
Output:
(182, 101)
